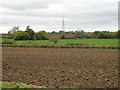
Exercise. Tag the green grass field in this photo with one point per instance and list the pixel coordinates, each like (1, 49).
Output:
(95, 42)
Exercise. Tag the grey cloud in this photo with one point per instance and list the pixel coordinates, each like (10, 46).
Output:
(25, 5)
(78, 13)
(28, 4)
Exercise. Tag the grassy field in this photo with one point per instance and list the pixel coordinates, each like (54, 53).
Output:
(20, 85)
(95, 42)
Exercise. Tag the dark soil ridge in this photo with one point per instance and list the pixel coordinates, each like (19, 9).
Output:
(61, 68)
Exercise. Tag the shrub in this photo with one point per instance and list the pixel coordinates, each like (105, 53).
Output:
(41, 35)
(21, 35)
(55, 40)
(17, 85)
(63, 37)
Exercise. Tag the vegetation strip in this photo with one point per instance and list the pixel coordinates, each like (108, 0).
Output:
(57, 46)
(18, 85)
(94, 42)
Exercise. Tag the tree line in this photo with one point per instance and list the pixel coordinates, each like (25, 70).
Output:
(96, 34)
(29, 34)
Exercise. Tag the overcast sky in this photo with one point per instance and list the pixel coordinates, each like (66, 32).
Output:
(89, 15)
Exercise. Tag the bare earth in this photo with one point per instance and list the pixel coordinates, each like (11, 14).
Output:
(61, 68)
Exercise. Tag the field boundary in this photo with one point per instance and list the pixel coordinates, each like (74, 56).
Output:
(58, 46)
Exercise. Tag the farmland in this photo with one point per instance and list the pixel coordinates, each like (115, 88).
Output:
(61, 68)
(95, 42)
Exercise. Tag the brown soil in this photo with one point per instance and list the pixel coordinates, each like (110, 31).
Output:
(63, 68)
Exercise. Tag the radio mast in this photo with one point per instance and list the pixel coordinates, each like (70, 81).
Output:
(63, 24)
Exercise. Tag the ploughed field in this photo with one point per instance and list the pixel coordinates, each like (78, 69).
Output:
(61, 68)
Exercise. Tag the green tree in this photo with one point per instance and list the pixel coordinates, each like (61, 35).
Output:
(53, 32)
(110, 35)
(30, 32)
(41, 35)
(118, 34)
(80, 34)
(96, 34)
(71, 32)
(21, 35)
(102, 35)
(88, 34)
(62, 32)
(13, 31)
